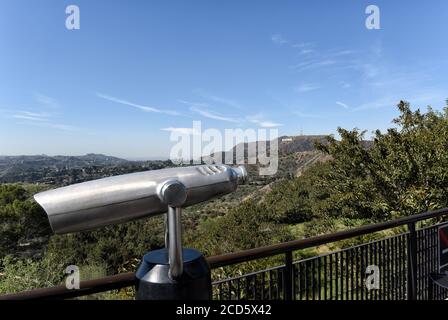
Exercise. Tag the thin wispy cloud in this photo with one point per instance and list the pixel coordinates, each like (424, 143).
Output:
(44, 120)
(137, 106)
(32, 116)
(423, 99)
(278, 39)
(342, 53)
(45, 114)
(203, 109)
(269, 124)
(314, 64)
(345, 85)
(314, 58)
(212, 115)
(218, 99)
(303, 45)
(306, 51)
(370, 70)
(46, 101)
(260, 121)
(62, 127)
(56, 126)
(342, 104)
(306, 87)
(306, 115)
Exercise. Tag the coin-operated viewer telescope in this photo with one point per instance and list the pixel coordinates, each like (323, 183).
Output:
(167, 274)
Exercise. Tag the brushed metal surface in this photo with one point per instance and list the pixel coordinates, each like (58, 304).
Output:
(118, 199)
(175, 242)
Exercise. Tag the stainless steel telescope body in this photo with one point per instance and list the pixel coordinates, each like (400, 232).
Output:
(127, 197)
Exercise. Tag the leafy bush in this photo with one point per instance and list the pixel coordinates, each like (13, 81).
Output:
(403, 173)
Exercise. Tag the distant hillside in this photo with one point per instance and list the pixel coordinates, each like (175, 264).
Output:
(59, 162)
(296, 153)
(286, 145)
(68, 169)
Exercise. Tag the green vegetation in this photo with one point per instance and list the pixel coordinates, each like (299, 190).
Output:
(341, 184)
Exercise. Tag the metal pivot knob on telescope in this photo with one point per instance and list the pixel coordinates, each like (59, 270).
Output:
(173, 273)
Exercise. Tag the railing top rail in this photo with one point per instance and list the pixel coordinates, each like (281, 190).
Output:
(87, 287)
(128, 279)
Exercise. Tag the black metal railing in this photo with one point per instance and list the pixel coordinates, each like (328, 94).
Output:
(404, 262)
(339, 275)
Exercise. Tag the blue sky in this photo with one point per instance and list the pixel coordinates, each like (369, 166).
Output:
(138, 69)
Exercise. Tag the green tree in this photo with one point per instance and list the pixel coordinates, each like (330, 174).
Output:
(404, 172)
(21, 219)
(244, 227)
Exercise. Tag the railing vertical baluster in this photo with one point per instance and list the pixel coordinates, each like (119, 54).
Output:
(313, 284)
(358, 271)
(254, 287)
(347, 276)
(319, 282)
(238, 288)
(383, 263)
(362, 270)
(399, 265)
(404, 259)
(299, 281)
(337, 269)
(418, 264)
(390, 255)
(352, 266)
(263, 285)
(278, 284)
(288, 276)
(425, 274)
(412, 262)
(331, 276)
(369, 259)
(402, 249)
(342, 275)
(293, 281)
(385, 258)
(247, 279)
(325, 276)
(270, 285)
(434, 254)
(395, 264)
(375, 262)
(429, 256)
(305, 273)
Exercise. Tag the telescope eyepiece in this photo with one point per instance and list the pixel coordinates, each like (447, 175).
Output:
(241, 173)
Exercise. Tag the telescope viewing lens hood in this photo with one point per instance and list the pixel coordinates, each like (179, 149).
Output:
(119, 199)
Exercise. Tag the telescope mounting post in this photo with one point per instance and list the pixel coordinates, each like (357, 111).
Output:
(174, 194)
(174, 273)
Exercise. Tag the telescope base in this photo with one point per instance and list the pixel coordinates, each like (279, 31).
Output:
(154, 283)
